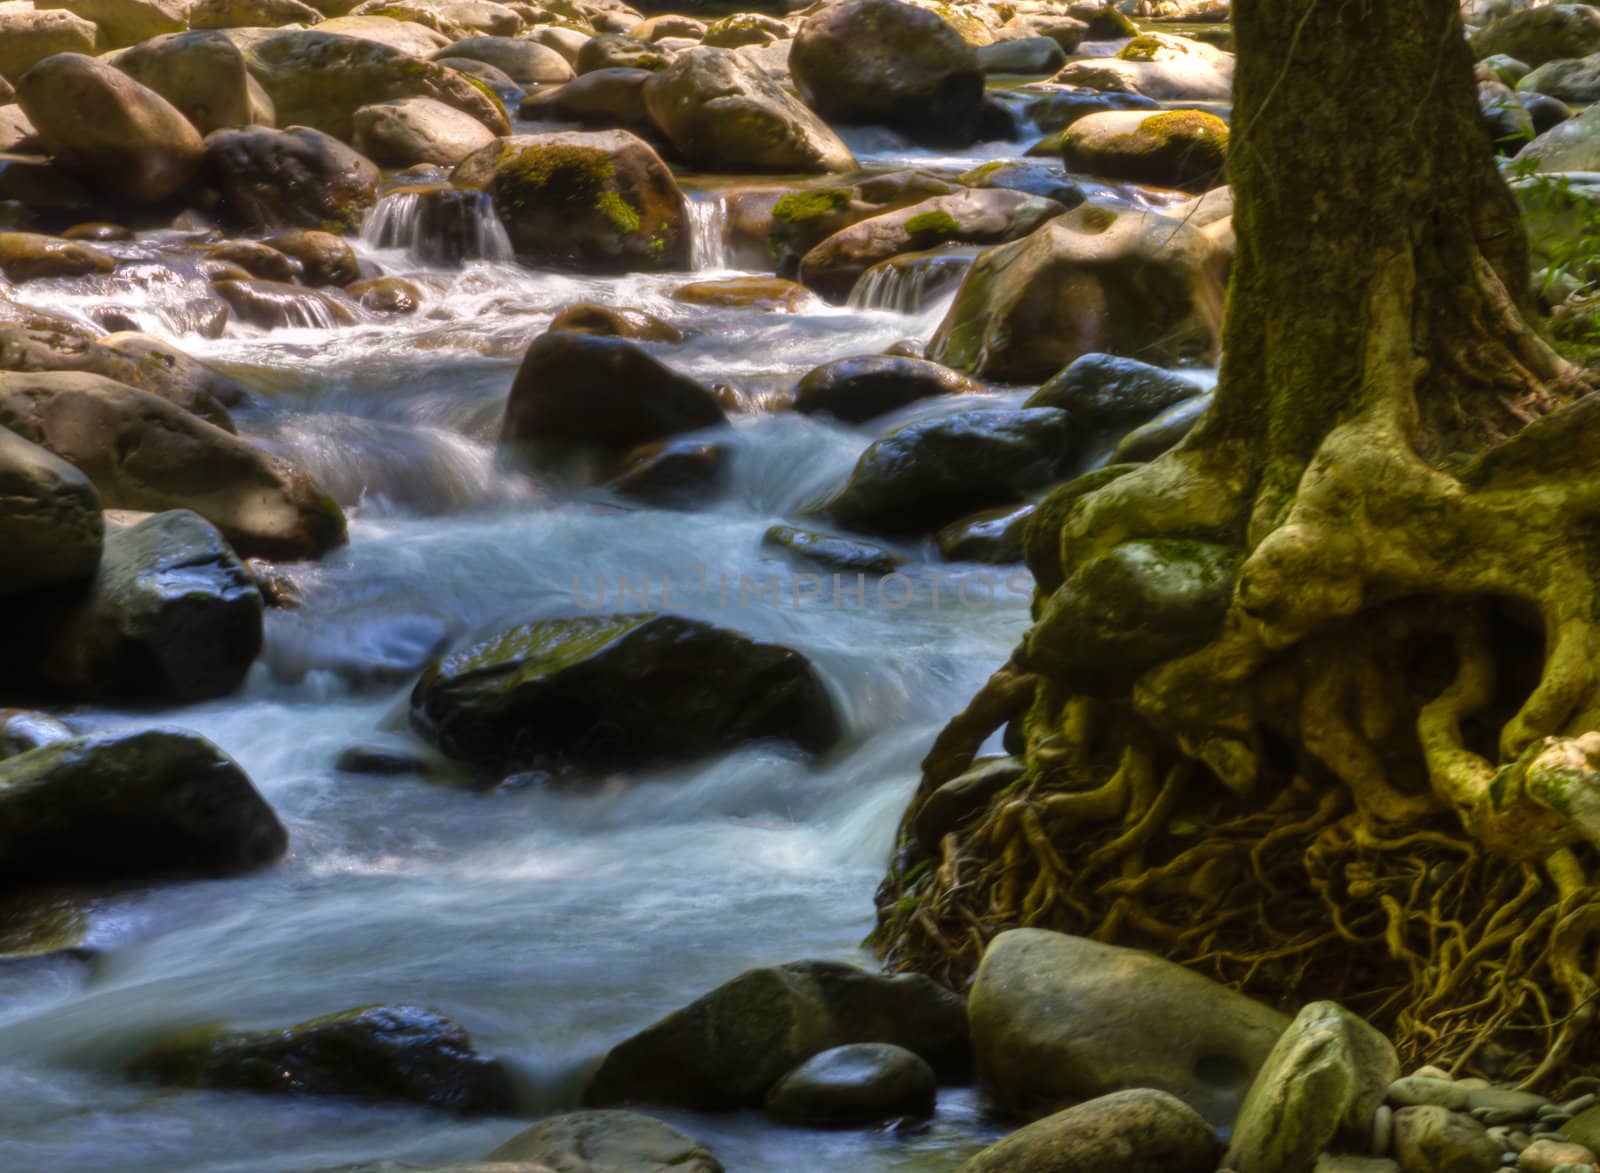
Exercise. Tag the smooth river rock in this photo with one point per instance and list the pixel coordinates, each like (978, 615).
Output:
(607, 1142)
(51, 530)
(1057, 1019)
(1140, 1130)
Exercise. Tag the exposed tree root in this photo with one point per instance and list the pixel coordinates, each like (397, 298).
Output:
(1376, 783)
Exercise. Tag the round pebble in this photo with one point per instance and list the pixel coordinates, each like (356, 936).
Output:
(1382, 1129)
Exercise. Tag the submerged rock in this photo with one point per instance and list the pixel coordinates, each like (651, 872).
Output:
(143, 453)
(929, 473)
(728, 1048)
(1165, 68)
(723, 113)
(1057, 1019)
(846, 555)
(1136, 1131)
(98, 121)
(861, 1083)
(131, 806)
(51, 528)
(887, 63)
(600, 202)
(171, 614)
(617, 691)
(387, 1053)
(576, 392)
(1099, 279)
(857, 389)
(605, 1142)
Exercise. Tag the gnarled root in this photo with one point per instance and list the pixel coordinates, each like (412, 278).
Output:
(1378, 783)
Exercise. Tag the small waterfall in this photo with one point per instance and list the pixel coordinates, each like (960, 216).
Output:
(708, 233)
(908, 284)
(439, 225)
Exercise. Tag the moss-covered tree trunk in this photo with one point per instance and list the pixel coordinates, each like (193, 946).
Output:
(1311, 701)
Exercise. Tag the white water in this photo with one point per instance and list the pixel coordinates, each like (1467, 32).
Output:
(708, 224)
(550, 925)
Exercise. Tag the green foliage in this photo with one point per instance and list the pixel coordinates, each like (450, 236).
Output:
(1563, 227)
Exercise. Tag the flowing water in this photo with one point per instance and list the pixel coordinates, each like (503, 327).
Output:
(550, 924)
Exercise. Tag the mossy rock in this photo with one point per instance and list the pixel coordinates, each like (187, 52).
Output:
(1133, 607)
(604, 691)
(1177, 148)
(595, 202)
(404, 1054)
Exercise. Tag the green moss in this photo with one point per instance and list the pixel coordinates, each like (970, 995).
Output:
(1141, 48)
(800, 206)
(934, 222)
(979, 175)
(624, 216)
(564, 174)
(1187, 124)
(537, 649)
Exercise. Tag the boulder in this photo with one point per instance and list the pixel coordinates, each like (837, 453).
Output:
(1104, 392)
(50, 529)
(28, 37)
(577, 391)
(857, 389)
(98, 121)
(1569, 80)
(320, 79)
(324, 259)
(607, 691)
(745, 28)
(611, 322)
(256, 259)
(127, 357)
(1058, 1019)
(596, 202)
(769, 294)
(1318, 1088)
(1064, 105)
(993, 536)
(605, 1142)
(409, 131)
(170, 615)
(1573, 145)
(143, 453)
(605, 98)
(387, 295)
(861, 1083)
(240, 14)
(27, 256)
(1036, 178)
(17, 134)
(615, 51)
(1024, 56)
(931, 472)
(844, 555)
(1137, 1131)
(1164, 68)
(888, 63)
(1184, 149)
(203, 75)
(673, 474)
(455, 18)
(405, 1054)
(127, 22)
(1101, 278)
(1437, 1140)
(260, 179)
(1135, 606)
(406, 36)
(141, 805)
(1537, 35)
(527, 63)
(728, 1048)
(723, 113)
(800, 220)
(990, 216)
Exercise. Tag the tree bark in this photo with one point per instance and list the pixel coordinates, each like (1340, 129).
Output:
(1376, 779)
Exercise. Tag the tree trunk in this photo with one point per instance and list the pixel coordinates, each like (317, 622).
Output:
(1372, 776)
